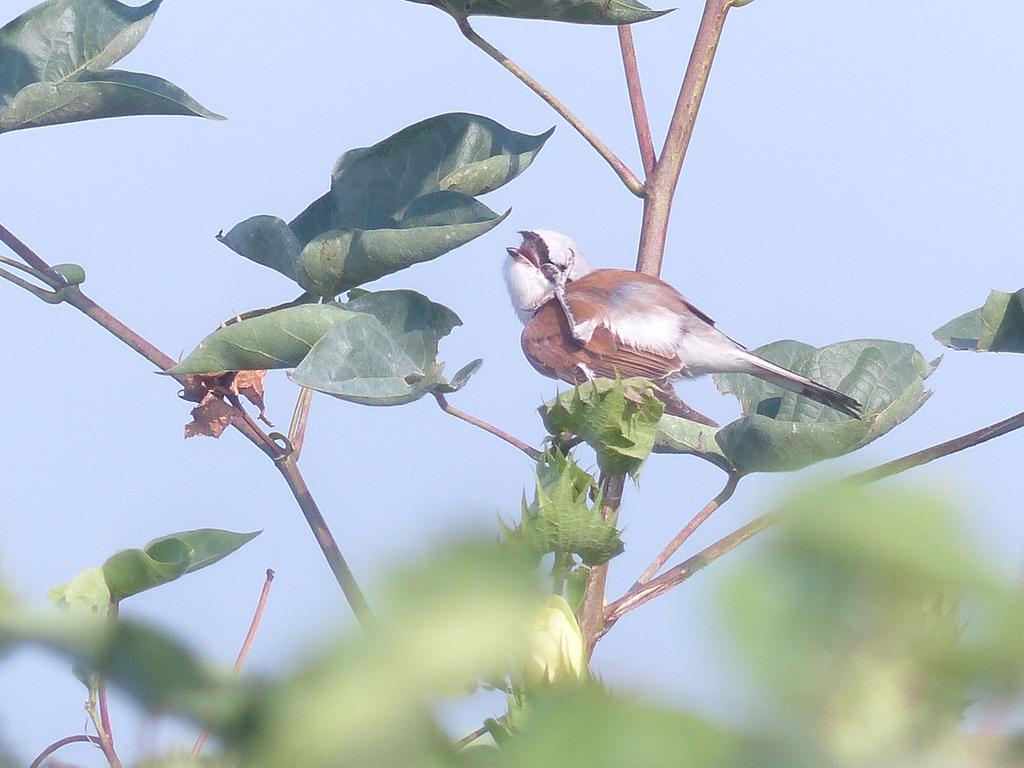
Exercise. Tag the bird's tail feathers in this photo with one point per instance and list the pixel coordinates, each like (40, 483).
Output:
(794, 382)
(676, 407)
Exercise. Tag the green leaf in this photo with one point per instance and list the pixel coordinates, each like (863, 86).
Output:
(456, 152)
(617, 418)
(461, 377)
(267, 240)
(577, 11)
(562, 518)
(154, 669)
(53, 67)
(387, 356)
(94, 95)
(783, 431)
(278, 339)
(998, 326)
(582, 725)
(340, 259)
(408, 199)
(131, 571)
(677, 435)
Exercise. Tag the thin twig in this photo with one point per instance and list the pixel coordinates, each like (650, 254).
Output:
(35, 290)
(300, 416)
(469, 738)
(955, 445)
(328, 545)
(104, 738)
(240, 421)
(41, 277)
(81, 737)
(636, 99)
(687, 530)
(661, 185)
(254, 625)
(633, 184)
(448, 408)
(659, 585)
(101, 699)
(30, 257)
(592, 610)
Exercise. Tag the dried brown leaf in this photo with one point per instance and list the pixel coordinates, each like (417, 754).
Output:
(210, 418)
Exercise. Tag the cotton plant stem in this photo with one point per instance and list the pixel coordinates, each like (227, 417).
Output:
(695, 522)
(947, 448)
(592, 610)
(676, 575)
(633, 184)
(35, 290)
(636, 99)
(450, 409)
(104, 738)
(661, 185)
(469, 738)
(241, 421)
(243, 652)
(76, 739)
(300, 417)
(326, 541)
(101, 700)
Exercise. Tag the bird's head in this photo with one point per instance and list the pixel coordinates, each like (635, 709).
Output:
(531, 268)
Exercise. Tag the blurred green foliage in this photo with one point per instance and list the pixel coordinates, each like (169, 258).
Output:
(867, 618)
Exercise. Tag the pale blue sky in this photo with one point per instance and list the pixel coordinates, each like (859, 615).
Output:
(856, 171)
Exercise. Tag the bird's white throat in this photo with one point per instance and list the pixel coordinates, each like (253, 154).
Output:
(527, 287)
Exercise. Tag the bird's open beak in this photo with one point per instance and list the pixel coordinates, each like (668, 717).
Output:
(524, 255)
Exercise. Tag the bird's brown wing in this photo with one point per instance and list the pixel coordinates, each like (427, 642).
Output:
(550, 348)
(633, 292)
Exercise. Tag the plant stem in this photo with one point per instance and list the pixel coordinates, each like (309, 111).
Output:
(592, 610)
(30, 257)
(300, 416)
(335, 559)
(636, 99)
(254, 625)
(659, 585)
(926, 455)
(240, 421)
(670, 549)
(104, 738)
(101, 698)
(633, 184)
(445, 406)
(661, 185)
(81, 737)
(35, 290)
(469, 738)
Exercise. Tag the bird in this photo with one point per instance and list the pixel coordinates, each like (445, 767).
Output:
(582, 323)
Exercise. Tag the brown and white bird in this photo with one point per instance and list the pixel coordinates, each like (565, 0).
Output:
(583, 323)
